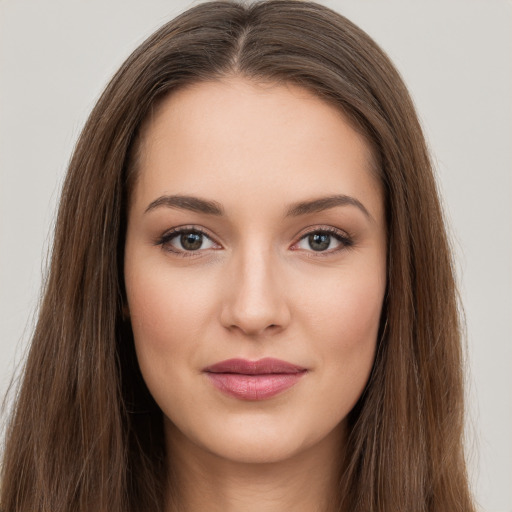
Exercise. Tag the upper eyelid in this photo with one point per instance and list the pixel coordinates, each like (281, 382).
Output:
(323, 229)
(345, 239)
(164, 241)
(171, 233)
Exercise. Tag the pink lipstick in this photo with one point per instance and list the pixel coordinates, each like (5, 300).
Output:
(254, 380)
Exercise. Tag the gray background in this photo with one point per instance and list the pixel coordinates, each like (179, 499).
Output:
(455, 56)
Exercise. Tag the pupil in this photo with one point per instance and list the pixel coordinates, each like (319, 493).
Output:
(191, 241)
(319, 241)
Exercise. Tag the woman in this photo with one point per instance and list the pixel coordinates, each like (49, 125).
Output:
(251, 304)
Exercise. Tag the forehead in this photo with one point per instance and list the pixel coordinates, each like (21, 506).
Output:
(237, 135)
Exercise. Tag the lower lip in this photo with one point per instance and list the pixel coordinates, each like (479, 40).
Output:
(254, 387)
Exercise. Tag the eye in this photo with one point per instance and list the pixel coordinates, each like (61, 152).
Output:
(324, 240)
(186, 240)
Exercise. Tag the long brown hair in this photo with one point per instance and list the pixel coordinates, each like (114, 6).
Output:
(86, 435)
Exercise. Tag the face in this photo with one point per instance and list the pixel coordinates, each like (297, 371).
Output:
(255, 268)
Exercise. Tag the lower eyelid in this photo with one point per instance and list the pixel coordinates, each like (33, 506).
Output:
(344, 240)
(166, 239)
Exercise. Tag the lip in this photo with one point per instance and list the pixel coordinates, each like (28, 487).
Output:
(254, 380)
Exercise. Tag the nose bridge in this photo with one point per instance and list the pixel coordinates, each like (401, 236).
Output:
(256, 299)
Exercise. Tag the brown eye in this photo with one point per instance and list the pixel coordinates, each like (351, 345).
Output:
(191, 241)
(186, 241)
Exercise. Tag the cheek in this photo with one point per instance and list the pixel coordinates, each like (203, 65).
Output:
(166, 316)
(359, 312)
(166, 323)
(345, 322)
(347, 308)
(166, 312)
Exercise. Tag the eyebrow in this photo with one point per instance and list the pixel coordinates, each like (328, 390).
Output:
(325, 203)
(194, 204)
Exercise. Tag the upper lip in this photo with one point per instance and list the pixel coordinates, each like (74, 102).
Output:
(265, 366)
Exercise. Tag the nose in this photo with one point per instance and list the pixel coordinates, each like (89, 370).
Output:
(255, 295)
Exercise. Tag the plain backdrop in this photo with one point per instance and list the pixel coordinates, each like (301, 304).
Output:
(456, 58)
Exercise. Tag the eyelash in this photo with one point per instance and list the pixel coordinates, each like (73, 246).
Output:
(345, 240)
(165, 240)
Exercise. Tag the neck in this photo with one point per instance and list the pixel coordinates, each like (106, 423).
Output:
(306, 482)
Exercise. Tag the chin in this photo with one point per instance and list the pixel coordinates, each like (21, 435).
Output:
(259, 449)
(256, 441)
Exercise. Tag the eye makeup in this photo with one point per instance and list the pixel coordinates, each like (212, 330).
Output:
(187, 241)
(193, 240)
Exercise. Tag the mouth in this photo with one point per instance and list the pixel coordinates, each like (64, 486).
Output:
(254, 380)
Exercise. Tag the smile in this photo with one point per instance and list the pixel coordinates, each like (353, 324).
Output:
(254, 380)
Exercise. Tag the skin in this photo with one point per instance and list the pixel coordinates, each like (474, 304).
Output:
(255, 288)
